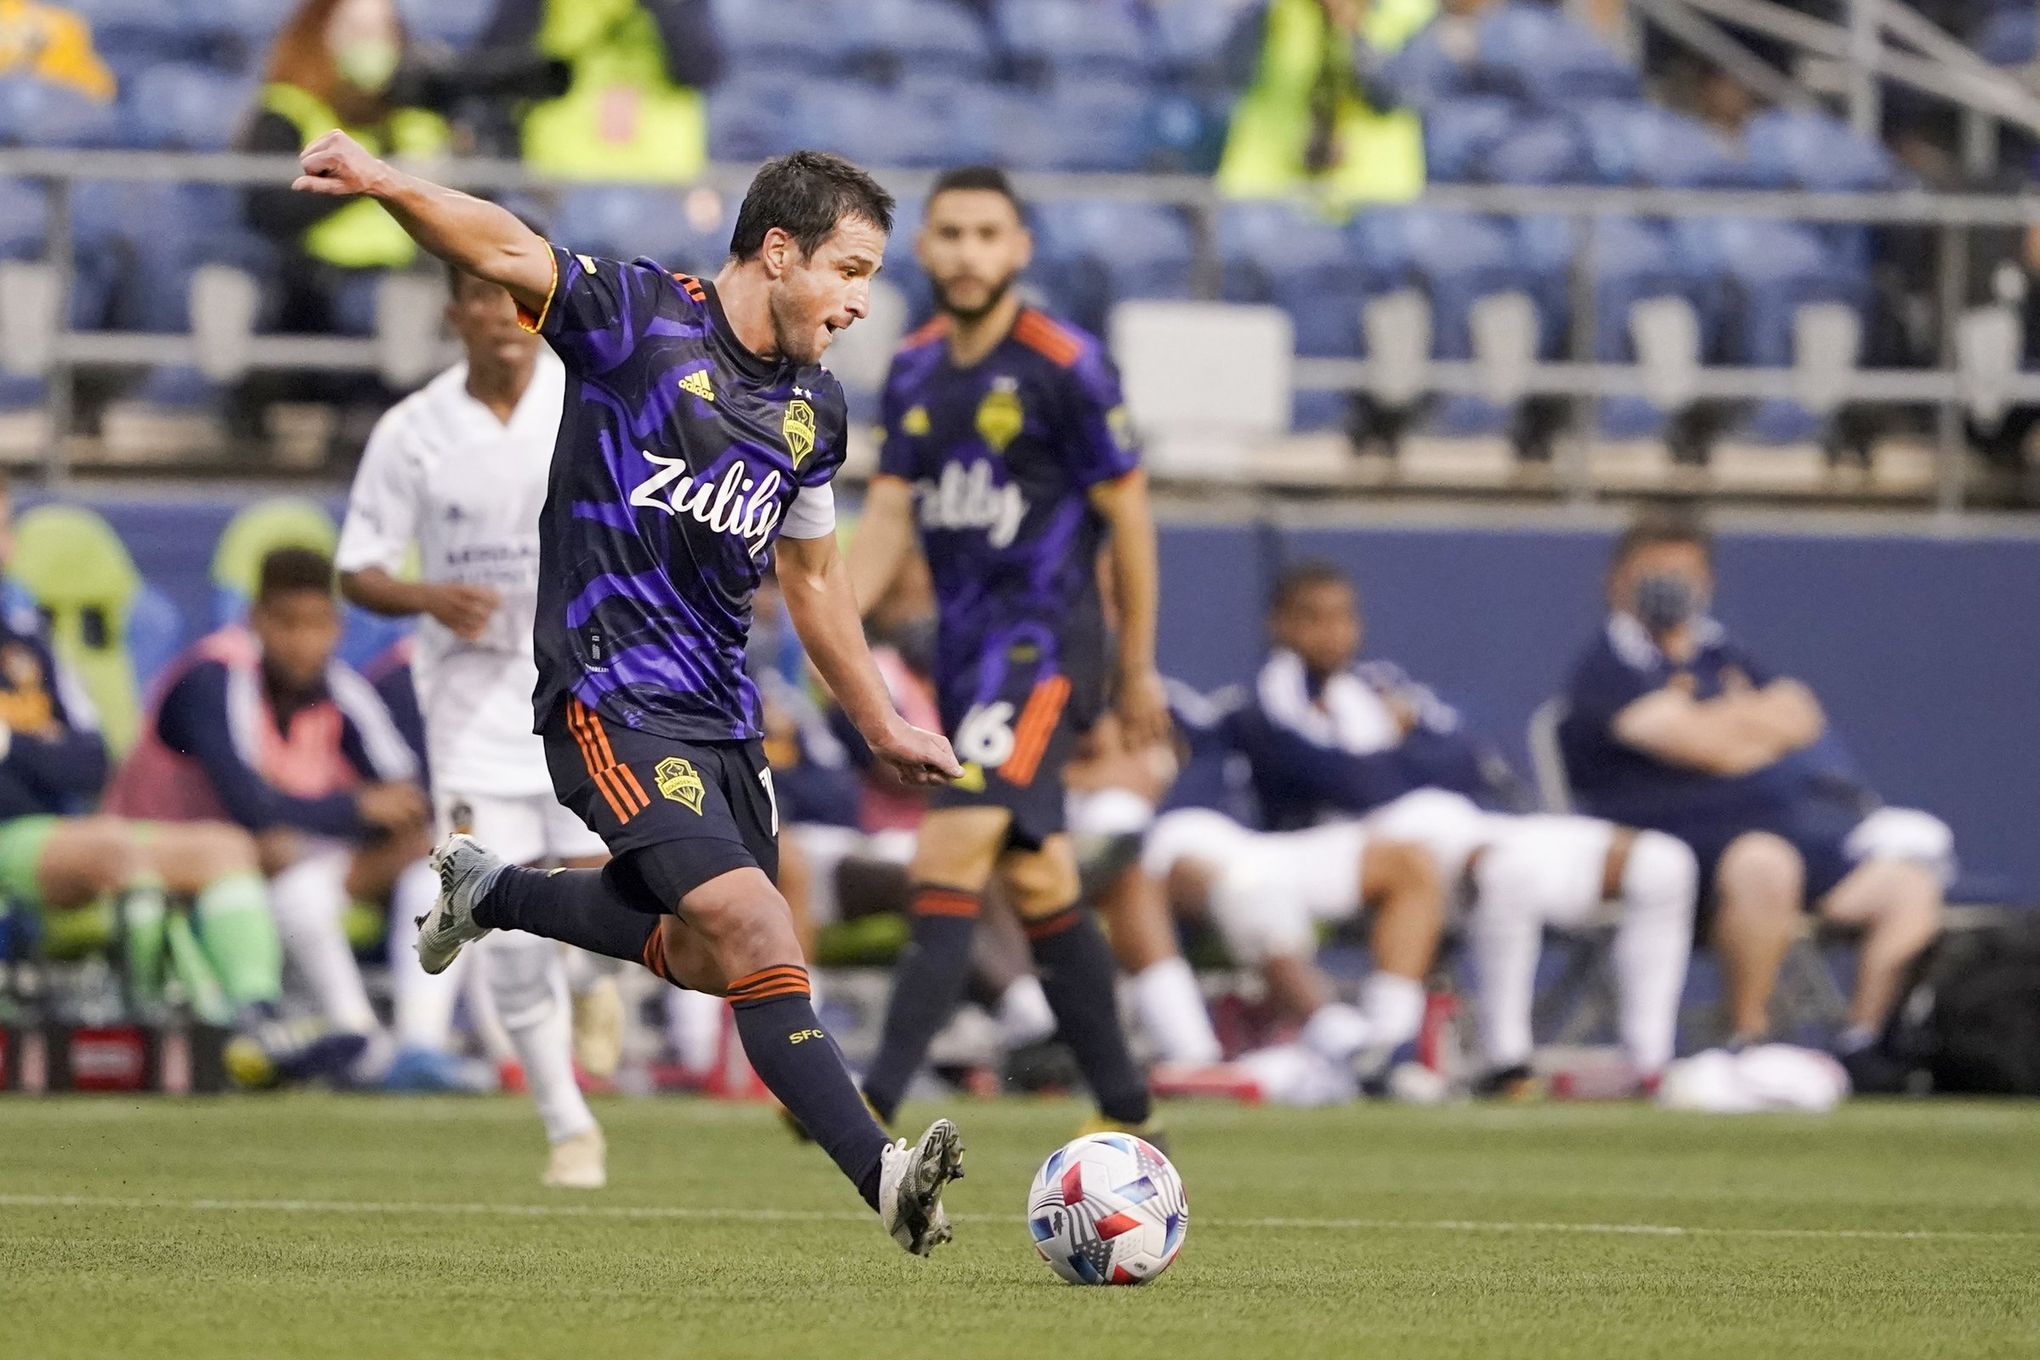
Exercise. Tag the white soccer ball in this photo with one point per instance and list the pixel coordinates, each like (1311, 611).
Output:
(1108, 1209)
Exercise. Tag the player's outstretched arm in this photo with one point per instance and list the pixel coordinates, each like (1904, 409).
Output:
(885, 531)
(823, 607)
(465, 610)
(474, 236)
(1139, 695)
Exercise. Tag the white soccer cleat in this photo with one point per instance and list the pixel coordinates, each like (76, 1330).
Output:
(464, 867)
(910, 1181)
(598, 1029)
(579, 1163)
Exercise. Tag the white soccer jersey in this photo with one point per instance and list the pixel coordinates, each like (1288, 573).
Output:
(441, 471)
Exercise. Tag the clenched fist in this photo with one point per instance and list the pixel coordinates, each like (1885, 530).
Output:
(337, 164)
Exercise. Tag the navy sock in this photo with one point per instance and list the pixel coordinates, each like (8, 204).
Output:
(800, 1064)
(584, 907)
(1078, 976)
(927, 984)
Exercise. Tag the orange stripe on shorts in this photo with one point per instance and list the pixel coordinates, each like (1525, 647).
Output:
(583, 725)
(1036, 726)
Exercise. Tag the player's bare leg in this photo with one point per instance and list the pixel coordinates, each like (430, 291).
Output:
(1898, 904)
(1757, 890)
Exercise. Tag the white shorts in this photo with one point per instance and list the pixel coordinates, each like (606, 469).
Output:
(1551, 866)
(1449, 826)
(1273, 887)
(530, 830)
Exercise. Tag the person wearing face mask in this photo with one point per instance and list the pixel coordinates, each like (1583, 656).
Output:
(333, 66)
(1671, 724)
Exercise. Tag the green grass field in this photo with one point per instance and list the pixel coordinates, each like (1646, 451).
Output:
(311, 1226)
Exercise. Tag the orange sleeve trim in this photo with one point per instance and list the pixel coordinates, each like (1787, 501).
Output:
(932, 330)
(1037, 724)
(1048, 339)
(535, 324)
(691, 286)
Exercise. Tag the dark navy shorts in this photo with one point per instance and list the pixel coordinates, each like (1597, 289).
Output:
(678, 812)
(1014, 741)
(1818, 830)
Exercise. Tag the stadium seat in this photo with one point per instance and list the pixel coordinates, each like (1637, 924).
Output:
(1425, 71)
(1185, 132)
(628, 221)
(1790, 148)
(1541, 150)
(1644, 144)
(1459, 133)
(1204, 381)
(1279, 253)
(184, 107)
(1058, 39)
(2008, 36)
(1101, 252)
(75, 567)
(130, 34)
(456, 23)
(24, 219)
(888, 38)
(1541, 54)
(1102, 126)
(254, 533)
(37, 113)
(968, 121)
(1192, 36)
(750, 117)
(802, 35)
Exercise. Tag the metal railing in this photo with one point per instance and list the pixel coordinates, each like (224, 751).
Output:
(1946, 387)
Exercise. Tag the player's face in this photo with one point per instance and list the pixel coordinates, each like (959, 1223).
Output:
(814, 296)
(1685, 562)
(1321, 624)
(973, 246)
(485, 319)
(297, 630)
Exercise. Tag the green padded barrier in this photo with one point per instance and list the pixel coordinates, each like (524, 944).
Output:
(82, 578)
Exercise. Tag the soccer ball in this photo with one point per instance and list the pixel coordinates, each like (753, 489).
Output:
(1108, 1209)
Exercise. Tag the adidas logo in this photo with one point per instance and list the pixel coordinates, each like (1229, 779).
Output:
(697, 384)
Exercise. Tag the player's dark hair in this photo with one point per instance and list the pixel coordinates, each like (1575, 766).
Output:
(1656, 528)
(288, 570)
(806, 194)
(1308, 574)
(454, 273)
(988, 179)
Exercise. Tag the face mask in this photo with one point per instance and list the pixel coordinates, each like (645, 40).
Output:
(1665, 601)
(367, 65)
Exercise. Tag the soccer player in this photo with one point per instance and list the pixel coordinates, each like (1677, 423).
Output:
(1672, 724)
(1007, 447)
(699, 430)
(1327, 737)
(459, 469)
(260, 726)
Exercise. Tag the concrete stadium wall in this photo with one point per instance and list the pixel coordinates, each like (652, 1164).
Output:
(1925, 650)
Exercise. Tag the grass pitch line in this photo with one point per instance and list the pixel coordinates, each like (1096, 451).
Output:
(756, 1215)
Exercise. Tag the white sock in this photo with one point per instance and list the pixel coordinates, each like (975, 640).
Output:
(1024, 1014)
(694, 1027)
(424, 1002)
(1171, 1011)
(1337, 1032)
(482, 1017)
(1652, 944)
(308, 900)
(527, 981)
(1394, 1008)
(1506, 942)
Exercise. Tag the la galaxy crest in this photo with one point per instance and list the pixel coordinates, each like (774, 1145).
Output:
(678, 782)
(999, 416)
(799, 429)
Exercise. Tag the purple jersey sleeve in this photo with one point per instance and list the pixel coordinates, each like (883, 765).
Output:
(1099, 437)
(598, 309)
(896, 446)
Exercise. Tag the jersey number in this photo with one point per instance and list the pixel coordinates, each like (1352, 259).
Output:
(986, 734)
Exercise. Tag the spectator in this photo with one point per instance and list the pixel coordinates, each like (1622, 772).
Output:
(264, 727)
(1673, 725)
(1304, 122)
(52, 43)
(633, 108)
(332, 67)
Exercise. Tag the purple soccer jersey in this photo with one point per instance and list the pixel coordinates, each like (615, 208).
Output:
(680, 454)
(1001, 456)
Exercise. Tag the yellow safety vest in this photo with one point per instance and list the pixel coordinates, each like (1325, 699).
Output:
(1380, 155)
(360, 235)
(621, 117)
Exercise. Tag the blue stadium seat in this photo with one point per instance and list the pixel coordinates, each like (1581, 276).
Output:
(1132, 250)
(2008, 36)
(1186, 132)
(751, 117)
(1644, 144)
(37, 113)
(1425, 71)
(18, 393)
(127, 33)
(1059, 38)
(456, 23)
(890, 38)
(1803, 150)
(869, 124)
(251, 24)
(1279, 253)
(1102, 126)
(1192, 35)
(803, 35)
(1461, 258)
(968, 119)
(24, 219)
(1541, 150)
(185, 107)
(628, 221)
(1459, 133)
(1537, 52)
